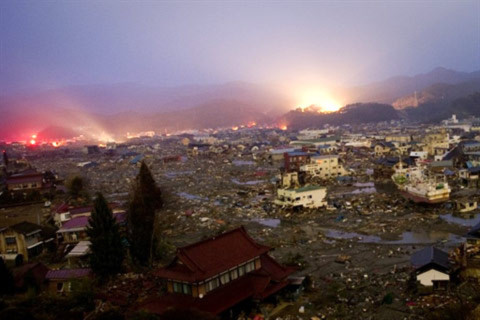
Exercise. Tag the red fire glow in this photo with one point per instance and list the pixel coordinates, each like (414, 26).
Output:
(33, 142)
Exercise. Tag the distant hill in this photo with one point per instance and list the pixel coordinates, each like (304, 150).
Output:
(438, 93)
(352, 114)
(115, 98)
(114, 110)
(436, 111)
(392, 89)
(66, 123)
(211, 114)
(120, 107)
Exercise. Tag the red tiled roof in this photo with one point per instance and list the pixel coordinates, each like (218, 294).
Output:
(210, 257)
(25, 178)
(67, 274)
(277, 271)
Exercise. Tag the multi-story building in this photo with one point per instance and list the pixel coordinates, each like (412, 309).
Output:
(404, 138)
(325, 167)
(23, 241)
(383, 148)
(294, 160)
(25, 181)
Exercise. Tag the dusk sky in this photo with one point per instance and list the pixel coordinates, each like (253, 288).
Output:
(47, 44)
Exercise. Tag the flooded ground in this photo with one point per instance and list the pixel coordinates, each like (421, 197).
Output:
(408, 237)
(272, 223)
(464, 219)
(243, 163)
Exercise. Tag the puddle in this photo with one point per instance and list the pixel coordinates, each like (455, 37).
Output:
(407, 237)
(272, 223)
(243, 163)
(190, 196)
(251, 182)
(364, 184)
(364, 191)
(364, 188)
(465, 219)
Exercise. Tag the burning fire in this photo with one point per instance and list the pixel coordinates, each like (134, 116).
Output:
(283, 127)
(315, 97)
(33, 141)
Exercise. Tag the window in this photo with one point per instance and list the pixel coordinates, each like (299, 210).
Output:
(187, 289)
(59, 286)
(234, 274)
(241, 270)
(297, 198)
(224, 278)
(177, 287)
(250, 266)
(10, 240)
(212, 284)
(310, 197)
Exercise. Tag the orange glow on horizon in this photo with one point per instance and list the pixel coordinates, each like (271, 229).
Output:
(283, 127)
(317, 98)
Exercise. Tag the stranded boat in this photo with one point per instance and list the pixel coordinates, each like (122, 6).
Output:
(415, 184)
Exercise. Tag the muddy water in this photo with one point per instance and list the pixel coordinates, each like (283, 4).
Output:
(408, 237)
(466, 219)
(272, 223)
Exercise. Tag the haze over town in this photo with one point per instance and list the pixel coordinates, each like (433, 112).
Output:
(239, 160)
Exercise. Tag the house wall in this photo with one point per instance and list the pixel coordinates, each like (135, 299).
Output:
(201, 288)
(59, 286)
(74, 236)
(24, 186)
(309, 199)
(398, 138)
(18, 247)
(380, 150)
(426, 278)
(324, 168)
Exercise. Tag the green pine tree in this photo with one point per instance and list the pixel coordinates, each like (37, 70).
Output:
(146, 200)
(107, 251)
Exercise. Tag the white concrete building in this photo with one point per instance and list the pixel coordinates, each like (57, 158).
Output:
(325, 167)
(307, 197)
(310, 134)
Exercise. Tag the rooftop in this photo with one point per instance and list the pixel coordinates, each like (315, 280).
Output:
(212, 256)
(430, 255)
(26, 227)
